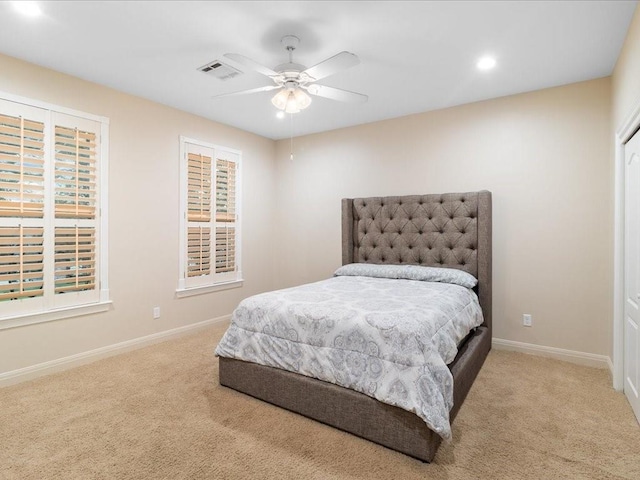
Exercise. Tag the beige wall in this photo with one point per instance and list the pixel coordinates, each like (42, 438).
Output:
(625, 80)
(144, 218)
(545, 156)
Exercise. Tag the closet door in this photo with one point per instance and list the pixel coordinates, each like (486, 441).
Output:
(632, 274)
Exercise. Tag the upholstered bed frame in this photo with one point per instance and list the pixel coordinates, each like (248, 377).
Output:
(450, 230)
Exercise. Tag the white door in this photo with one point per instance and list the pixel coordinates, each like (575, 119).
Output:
(632, 274)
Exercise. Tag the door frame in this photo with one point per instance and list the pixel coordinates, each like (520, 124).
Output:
(624, 132)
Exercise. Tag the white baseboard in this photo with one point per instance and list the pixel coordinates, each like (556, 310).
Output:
(581, 358)
(65, 363)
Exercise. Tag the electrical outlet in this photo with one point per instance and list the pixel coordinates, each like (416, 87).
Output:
(527, 320)
(156, 312)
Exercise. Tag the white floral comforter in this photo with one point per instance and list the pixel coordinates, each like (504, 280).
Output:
(390, 339)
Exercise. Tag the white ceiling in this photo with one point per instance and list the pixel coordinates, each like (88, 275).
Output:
(415, 56)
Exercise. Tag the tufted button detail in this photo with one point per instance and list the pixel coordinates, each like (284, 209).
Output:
(463, 231)
(419, 232)
(410, 247)
(441, 231)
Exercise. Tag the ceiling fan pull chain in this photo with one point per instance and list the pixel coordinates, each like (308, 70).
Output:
(291, 137)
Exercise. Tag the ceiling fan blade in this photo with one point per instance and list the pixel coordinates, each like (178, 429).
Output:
(336, 94)
(252, 64)
(244, 92)
(335, 64)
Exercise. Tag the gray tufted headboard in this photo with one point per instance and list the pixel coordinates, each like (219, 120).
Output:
(450, 230)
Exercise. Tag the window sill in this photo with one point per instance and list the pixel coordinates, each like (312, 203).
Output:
(50, 315)
(201, 290)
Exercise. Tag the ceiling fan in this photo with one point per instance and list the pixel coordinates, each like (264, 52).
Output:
(294, 81)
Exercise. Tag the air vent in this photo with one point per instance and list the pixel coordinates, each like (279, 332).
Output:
(220, 70)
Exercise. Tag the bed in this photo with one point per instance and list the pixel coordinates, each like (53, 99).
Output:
(451, 231)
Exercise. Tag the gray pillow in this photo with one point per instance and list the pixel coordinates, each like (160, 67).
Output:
(409, 272)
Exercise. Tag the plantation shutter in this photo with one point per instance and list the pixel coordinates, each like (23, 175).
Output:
(22, 203)
(225, 190)
(199, 251)
(199, 188)
(21, 167)
(50, 216)
(209, 227)
(21, 262)
(198, 214)
(75, 209)
(75, 173)
(225, 249)
(75, 259)
(225, 216)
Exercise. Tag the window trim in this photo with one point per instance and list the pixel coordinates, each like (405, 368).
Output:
(54, 314)
(227, 283)
(203, 289)
(103, 303)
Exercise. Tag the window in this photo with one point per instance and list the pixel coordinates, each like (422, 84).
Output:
(52, 259)
(210, 229)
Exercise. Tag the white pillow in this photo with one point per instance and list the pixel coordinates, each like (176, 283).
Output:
(409, 272)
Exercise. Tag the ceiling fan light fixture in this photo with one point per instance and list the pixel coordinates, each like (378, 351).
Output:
(292, 104)
(302, 99)
(291, 101)
(279, 100)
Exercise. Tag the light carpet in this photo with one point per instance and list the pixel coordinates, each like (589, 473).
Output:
(159, 413)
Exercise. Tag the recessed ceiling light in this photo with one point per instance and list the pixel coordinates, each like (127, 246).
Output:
(30, 9)
(486, 63)
(280, 114)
